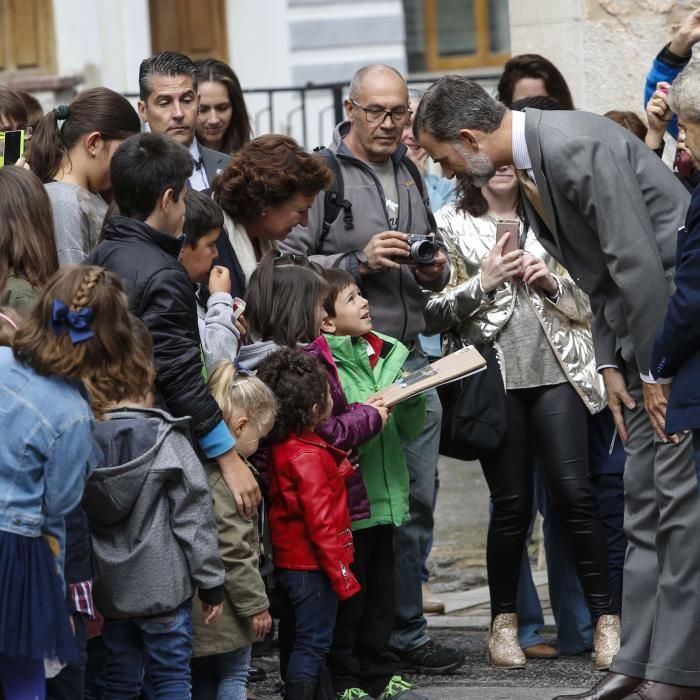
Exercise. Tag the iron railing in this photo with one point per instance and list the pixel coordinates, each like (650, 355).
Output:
(308, 112)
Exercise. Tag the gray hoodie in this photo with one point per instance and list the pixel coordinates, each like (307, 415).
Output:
(396, 299)
(154, 537)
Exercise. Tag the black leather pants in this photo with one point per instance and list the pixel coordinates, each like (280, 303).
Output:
(548, 423)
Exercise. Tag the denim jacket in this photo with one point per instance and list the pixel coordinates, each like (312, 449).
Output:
(46, 450)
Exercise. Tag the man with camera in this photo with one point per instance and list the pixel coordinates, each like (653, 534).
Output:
(374, 222)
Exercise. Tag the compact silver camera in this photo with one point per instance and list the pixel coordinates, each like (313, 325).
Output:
(422, 250)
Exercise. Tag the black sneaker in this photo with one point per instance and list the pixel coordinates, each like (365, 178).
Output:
(432, 658)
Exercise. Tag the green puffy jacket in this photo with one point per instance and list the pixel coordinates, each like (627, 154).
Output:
(382, 459)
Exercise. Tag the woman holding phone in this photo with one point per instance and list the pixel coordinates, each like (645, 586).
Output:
(512, 294)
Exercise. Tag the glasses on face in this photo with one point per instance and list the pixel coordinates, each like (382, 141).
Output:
(377, 115)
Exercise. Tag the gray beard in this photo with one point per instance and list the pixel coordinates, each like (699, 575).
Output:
(479, 168)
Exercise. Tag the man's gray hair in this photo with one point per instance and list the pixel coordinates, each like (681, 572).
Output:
(453, 103)
(356, 82)
(684, 96)
(166, 63)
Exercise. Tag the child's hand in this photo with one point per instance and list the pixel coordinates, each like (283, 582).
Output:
(211, 612)
(261, 624)
(377, 402)
(241, 325)
(219, 280)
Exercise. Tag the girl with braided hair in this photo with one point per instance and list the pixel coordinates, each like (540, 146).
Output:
(79, 329)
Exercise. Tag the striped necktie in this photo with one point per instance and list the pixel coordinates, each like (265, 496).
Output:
(529, 189)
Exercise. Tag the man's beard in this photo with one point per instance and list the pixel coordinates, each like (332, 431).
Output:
(478, 166)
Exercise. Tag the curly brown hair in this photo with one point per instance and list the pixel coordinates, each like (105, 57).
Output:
(111, 362)
(267, 171)
(301, 387)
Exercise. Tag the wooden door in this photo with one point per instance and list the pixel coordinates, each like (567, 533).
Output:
(26, 36)
(196, 28)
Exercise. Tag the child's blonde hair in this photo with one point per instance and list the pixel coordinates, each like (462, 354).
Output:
(9, 323)
(238, 393)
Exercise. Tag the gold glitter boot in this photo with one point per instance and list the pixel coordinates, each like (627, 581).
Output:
(503, 645)
(606, 641)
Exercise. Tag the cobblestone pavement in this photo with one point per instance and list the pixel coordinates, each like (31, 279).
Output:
(574, 672)
(458, 574)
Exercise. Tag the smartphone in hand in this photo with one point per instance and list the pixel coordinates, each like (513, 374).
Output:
(511, 226)
(11, 147)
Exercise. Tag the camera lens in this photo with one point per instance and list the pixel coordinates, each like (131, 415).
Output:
(423, 252)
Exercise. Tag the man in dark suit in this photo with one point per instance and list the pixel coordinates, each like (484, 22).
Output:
(168, 105)
(604, 205)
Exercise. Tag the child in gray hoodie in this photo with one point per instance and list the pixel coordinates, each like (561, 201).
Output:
(154, 541)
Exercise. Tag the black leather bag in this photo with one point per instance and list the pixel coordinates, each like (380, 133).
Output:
(474, 411)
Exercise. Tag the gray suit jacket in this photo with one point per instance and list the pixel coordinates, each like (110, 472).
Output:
(213, 161)
(614, 210)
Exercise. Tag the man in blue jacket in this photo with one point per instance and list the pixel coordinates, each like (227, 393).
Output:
(675, 357)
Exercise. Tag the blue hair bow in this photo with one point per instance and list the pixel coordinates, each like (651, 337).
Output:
(76, 323)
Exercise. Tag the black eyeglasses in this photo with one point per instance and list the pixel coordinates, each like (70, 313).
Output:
(377, 115)
(290, 259)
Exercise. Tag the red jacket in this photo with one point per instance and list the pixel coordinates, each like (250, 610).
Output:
(308, 510)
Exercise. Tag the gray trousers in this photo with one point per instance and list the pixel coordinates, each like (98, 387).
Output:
(661, 589)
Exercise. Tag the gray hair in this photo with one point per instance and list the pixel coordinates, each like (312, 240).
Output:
(164, 63)
(453, 103)
(684, 96)
(356, 82)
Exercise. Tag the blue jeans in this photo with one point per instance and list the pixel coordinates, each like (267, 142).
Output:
(162, 642)
(412, 540)
(221, 676)
(573, 619)
(22, 678)
(314, 607)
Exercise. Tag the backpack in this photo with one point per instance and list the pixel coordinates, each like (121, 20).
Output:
(334, 202)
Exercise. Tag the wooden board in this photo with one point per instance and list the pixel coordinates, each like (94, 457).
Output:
(450, 368)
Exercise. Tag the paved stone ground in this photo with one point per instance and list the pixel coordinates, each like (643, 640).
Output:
(459, 577)
(540, 679)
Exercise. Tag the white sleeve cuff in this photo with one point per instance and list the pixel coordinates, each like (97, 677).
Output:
(600, 368)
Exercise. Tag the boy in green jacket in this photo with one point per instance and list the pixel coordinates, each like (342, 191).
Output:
(360, 661)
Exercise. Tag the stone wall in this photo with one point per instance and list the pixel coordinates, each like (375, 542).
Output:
(604, 48)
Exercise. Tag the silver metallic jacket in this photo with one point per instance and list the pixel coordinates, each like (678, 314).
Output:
(463, 308)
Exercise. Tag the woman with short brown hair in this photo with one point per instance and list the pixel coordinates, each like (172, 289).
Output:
(265, 191)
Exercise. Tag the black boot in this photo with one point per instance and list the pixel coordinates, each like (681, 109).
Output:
(300, 689)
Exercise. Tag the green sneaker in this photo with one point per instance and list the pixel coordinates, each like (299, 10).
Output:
(399, 689)
(353, 694)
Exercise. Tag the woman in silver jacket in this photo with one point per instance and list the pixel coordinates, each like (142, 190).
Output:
(539, 322)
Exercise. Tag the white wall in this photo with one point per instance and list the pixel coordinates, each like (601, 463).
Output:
(259, 42)
(105, 40)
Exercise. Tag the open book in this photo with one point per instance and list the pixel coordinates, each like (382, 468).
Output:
(457, 365)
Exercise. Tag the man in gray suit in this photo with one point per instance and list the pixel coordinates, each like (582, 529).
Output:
(169, 104)
(606, 207)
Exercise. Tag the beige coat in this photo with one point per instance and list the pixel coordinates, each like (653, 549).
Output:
(463, 308)
(239, 548)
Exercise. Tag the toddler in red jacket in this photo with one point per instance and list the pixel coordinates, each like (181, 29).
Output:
(308, 517)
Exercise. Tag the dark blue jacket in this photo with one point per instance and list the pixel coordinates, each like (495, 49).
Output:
(676, 351)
